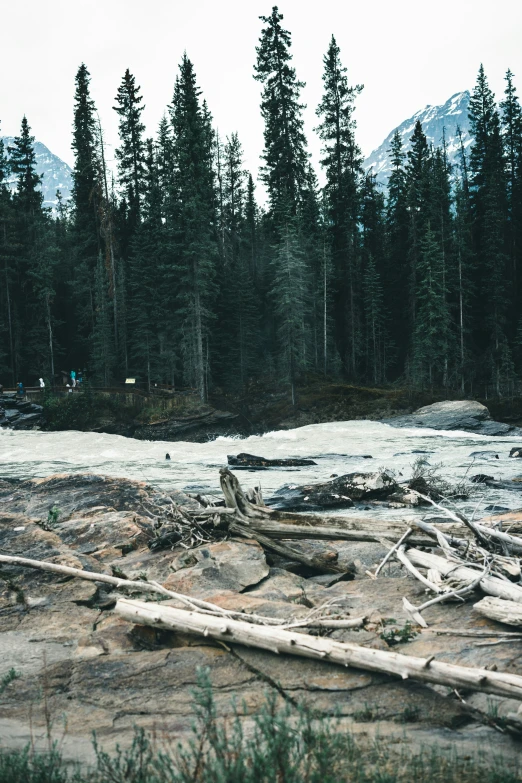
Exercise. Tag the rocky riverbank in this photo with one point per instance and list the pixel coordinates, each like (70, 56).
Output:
(81, 668)
(182, 417)
(18, 413)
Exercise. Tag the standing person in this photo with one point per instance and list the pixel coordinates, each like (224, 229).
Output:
(42, 383)
(20, 389)
(73, 378)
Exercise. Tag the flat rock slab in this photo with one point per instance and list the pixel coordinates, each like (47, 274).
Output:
(467, 415)
(227, 565)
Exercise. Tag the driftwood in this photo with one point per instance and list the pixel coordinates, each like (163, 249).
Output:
(323, 649)
(491, 585)
(315, 619)
(509, 612)
(295, 525)
(315, 563)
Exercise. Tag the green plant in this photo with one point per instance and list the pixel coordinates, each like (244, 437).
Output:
(399, 635)
(8, 678)
(52, 515)
(282, 745)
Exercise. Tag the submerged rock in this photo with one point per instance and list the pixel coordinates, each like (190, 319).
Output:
(467, 415)
(341, 492)
(244, 460)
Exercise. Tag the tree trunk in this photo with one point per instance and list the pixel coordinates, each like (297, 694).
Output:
(322, 649)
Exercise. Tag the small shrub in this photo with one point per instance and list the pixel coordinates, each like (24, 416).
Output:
(402, 635)
(8, 678)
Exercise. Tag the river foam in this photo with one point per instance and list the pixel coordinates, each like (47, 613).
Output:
(337, 447)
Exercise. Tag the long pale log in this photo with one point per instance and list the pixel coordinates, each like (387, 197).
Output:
(509, 612)
(491, 585)
(304, 531)
(153, 587)
(401, 555)
(513, 542)
(280, 641)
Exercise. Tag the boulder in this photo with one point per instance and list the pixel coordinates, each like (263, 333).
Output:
(467, 415)
(341, 492)
(251, 461)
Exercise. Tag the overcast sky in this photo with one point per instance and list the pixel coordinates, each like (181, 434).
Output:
(407, 53)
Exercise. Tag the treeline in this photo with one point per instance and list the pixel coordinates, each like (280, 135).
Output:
(175, 274)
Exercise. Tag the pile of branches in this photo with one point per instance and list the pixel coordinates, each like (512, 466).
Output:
(488, 558)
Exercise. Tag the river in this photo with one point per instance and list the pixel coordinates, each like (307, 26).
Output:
(337, 447)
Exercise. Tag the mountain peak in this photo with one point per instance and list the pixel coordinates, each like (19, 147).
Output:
(437, 121)
(57, 175)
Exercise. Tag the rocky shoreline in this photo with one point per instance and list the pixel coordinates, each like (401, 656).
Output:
(63, 639)
(199, 423)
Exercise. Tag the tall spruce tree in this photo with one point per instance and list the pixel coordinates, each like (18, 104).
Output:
(285, 156)
(488, 199)
(86, 243)
(36, 260)
(511, 119)
(130, 155)
(7, 272)
(342, 161)
(192, 220)
(418, 190)
(398, 232)
(290, 294)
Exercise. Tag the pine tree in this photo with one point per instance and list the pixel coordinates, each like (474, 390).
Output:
(290, 294)
(398, 232)
(511, 118)
(285, 156)
(7, 272)
(418, 184)
(463, 251)
(374, 263)
(342, 161)
(131, 152)
(432, 334)
(86, 241)
(34, 263)
(488, 199)
(192, 220)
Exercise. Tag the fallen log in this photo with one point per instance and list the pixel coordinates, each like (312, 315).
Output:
(279, 530)
(509, 612)
(322, 564)
(277, 640)
(140, 586)
(285, 524)
(491, 585)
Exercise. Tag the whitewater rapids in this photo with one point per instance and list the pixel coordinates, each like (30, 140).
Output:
(338, 448)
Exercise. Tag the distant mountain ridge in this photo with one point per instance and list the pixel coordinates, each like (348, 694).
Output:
(57, 175)
(436, 122)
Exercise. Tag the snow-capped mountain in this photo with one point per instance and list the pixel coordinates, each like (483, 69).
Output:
(57, 174)
(436, 121)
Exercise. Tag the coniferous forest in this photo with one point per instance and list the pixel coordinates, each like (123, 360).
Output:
(173, 270)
